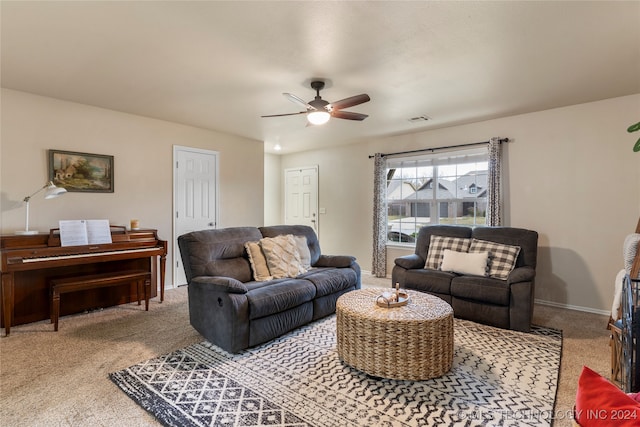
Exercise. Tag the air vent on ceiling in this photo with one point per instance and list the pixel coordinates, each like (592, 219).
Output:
(422, 118)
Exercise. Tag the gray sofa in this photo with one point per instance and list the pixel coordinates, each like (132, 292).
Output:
(502, 303)
(233, 311)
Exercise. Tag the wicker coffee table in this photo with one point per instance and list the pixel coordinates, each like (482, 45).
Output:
(412, 342)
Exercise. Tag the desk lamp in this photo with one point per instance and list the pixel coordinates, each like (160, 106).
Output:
(51, 192)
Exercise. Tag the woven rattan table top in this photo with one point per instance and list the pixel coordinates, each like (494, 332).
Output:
(421, 306)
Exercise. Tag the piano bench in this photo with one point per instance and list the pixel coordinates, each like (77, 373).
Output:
(141, 278)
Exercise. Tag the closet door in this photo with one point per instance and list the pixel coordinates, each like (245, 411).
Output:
(195, 197)
(301, 196)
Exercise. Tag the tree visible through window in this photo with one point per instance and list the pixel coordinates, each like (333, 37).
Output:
(440, 188)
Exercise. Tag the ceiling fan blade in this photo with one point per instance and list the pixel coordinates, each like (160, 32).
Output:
(350, 102)
(348, 115)
(297, 100)
(286, 114)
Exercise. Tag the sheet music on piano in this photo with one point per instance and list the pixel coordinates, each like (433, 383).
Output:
(84, 232)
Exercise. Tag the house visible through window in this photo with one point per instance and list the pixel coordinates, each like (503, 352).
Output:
(438, 188)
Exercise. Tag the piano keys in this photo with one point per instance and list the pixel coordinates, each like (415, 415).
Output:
(29, 263)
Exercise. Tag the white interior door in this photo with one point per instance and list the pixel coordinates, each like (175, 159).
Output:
(195, 183)
(301, 196)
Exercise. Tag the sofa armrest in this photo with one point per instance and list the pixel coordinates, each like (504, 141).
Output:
(221, 284)
(521, 274)
(337, 261)
(410, 262)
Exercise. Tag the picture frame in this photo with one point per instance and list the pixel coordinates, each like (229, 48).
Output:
(81, 172)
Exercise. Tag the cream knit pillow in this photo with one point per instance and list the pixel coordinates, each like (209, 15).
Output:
(282, 256)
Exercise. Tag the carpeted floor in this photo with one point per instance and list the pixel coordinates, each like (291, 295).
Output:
(61, 379)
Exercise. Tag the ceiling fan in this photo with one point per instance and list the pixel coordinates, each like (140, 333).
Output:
(319, 111)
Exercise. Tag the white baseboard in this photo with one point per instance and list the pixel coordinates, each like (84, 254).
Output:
(573, 307)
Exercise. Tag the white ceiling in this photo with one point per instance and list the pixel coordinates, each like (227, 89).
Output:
(221, 65)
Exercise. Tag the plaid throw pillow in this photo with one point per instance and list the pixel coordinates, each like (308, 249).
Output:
(438, 244)
(502, 258)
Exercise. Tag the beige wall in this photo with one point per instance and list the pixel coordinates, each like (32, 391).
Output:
(142, 150)
(273, 190)
(345, 192)
(570, 174)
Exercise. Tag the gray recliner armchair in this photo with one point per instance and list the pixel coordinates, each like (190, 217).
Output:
(506, 303)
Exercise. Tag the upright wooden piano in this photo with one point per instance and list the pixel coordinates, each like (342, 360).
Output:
(30, 262)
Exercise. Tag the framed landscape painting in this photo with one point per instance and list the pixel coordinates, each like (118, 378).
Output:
(82, 172)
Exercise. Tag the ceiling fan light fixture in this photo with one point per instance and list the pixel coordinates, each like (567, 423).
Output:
(318, 117)
(319, 111)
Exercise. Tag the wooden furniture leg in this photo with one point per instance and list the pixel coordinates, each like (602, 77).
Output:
(141, 279)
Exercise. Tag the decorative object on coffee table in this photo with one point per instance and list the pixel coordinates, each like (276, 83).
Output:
(410, 342)
(390, 299)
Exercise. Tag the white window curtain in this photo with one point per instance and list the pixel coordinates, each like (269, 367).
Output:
(379, 268)
(494, 191)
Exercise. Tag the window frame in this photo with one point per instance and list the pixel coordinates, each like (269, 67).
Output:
(455, 202)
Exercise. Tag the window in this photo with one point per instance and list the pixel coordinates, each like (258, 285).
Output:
(437, 188)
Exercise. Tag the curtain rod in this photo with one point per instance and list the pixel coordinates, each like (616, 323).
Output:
(501, 140)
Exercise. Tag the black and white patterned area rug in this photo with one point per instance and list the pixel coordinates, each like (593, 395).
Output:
(499, 378)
